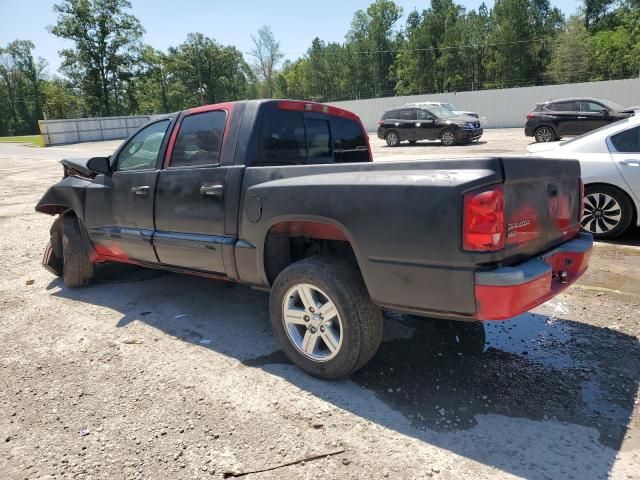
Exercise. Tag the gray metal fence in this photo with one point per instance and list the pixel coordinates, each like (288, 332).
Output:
(502, 108)
(59, 132)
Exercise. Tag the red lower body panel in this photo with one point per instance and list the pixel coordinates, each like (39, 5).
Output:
(510, 291)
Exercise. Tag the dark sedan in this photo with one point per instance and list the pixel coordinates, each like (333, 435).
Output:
(552, 120)
(414, 123)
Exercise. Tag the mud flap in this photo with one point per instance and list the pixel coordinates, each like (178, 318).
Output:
(51, 261)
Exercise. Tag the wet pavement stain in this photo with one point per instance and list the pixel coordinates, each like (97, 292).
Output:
(535, 367)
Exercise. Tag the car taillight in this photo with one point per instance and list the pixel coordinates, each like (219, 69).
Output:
(380, 123)
(483, 226)
(530, 115)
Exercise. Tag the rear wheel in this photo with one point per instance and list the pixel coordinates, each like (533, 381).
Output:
(545, 134)
(77, 268)
(392, 138)
(323, 317)
(607, 211)
(447, 137)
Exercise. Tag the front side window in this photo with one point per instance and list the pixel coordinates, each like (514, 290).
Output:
(627, 141)
(141, 152)
(591, 107)
(424, 115)
(282, 139)
(199, 139)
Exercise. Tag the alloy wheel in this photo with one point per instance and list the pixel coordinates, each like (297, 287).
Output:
(544, 134)
(312, 322)
(448, 138)
(602, 213)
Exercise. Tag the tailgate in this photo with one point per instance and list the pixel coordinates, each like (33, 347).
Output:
(542, 205)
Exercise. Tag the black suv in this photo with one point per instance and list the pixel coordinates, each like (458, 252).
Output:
(415, 123)
(554, 119)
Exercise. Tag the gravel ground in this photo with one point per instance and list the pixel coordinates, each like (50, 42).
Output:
(153, 375)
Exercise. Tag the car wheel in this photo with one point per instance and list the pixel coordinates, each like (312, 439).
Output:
(545, 134)
(323, 317)
(77, 267)
(392, 138)
(447, 137)
(607, 211)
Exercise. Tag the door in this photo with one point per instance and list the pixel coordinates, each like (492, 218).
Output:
(119, 206)
(592, 115)
(407, 124)
(190, 207)
(564, 116)
(625, 152)
(426, 128)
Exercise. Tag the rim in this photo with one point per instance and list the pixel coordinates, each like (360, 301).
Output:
(602, 213)
(392, 138)
(312, 322)
(448, 138)
(544, 135)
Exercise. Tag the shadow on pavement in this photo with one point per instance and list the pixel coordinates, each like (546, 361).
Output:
(544, 397)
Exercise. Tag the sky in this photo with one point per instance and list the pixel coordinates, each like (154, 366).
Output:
(167, 22)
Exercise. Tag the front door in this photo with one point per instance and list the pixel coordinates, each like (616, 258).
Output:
(426, 128)
(190, 197)
(119, 206)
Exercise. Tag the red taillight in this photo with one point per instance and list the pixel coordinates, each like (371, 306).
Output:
(380, 123)
(483, 220)
(530, 115)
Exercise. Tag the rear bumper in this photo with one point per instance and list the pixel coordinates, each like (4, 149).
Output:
(529, 130)
(509, 291)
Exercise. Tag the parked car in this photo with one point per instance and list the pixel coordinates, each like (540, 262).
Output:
(554, 119)
(610, 162)
(283, 196)
(415, 123)
(446, 105)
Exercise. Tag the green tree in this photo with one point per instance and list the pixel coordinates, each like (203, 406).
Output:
(106, 43)
(267, 55)
(570, 59)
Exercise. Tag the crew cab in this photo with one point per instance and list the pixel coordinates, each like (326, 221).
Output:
(283, 196)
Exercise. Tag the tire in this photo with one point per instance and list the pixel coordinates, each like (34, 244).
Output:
(544, 134)
(608, 211)
(355, 328)
(447, 137)
(77, 268)
(392, 138)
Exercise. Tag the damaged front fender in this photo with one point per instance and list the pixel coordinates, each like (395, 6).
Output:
(67, 194)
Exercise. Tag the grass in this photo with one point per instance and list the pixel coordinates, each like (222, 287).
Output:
(35, 140)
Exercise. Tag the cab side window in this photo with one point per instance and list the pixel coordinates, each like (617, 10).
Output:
(627, 141)
(282, 139)
(199, 139)
(141, 152)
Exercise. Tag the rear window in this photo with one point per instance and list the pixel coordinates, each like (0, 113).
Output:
(349, 142)
(288, 138)
(199, 139)
(407, 114)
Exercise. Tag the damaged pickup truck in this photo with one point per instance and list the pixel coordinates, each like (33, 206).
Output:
(283, 196)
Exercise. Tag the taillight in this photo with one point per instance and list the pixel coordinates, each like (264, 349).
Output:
(530, 115)
(483, 226)
(380, 123)
(581, 200)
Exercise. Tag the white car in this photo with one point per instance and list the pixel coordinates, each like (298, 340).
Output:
(610, 162)
(451, 107)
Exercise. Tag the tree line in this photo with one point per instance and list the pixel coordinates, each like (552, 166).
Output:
(108, 70)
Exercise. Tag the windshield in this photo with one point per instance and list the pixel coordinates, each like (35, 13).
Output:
(592, 132)
(449, 106)
(441, 112)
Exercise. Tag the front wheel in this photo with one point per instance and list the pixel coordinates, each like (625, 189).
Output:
(607, 211)
(77, 268)
(447, 137)
(323, 317)
(392, 138)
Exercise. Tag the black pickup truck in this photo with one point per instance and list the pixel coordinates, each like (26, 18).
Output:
(283, 195)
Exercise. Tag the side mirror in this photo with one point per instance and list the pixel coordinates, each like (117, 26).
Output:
(99, 164)
(604, 112)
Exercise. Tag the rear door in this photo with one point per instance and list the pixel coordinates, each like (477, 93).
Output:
(407, 128)
(190, 195)
(565, 117)
(625, 152)
(119, 206)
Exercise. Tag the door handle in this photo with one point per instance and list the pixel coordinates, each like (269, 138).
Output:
(211, 190)
(141, 190)
(631, 162)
